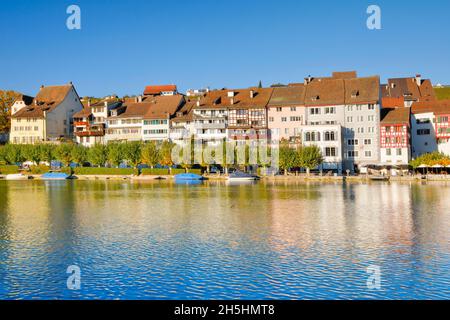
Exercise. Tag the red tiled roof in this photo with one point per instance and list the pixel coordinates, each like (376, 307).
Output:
(242, 98)
(152, 90)
(395, 115)
(437, 107)
(391, 102)
(409, 89)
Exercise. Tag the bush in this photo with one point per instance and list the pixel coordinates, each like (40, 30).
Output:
(155, 172)
(41, 169)
(104, 171)
(11, 169)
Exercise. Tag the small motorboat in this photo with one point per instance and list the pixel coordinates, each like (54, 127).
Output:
(17, 176)
(242, 176)
(379, 178)
(56, 176)
(189, 177)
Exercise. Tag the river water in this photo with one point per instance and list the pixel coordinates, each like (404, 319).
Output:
(160, 240)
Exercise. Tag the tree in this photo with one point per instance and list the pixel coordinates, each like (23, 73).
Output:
(64, 153)
(132, 152)
(431, 159)
(150, 154)
(260, 84)
(79, 154)
(97, 155)
(310, 157)
(115, 154)
(165, 151)
(46, 152)
(7, 99)
(287, 157)
(32, 153)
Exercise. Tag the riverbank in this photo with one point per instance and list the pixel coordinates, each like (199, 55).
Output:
(305, 178)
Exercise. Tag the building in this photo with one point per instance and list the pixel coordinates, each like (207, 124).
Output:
(182, 125)
(247, 113)
(156, 121)
(49, 116)
(413, 89)
(395, 136)
(91, 122)
(430, 127)
(354, 104)
(286, 112)
(161, 90)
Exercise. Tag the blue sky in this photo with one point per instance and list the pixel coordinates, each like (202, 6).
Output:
(125, 45)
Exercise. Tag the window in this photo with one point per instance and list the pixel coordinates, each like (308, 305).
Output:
(330, 136)
(352, 154)
(349, 119)
(279, 109)
(371, 107)
(387, 140)
(313, 111)
(283, 119)
(371, 118)
(423, 132)
(296, 119)
(352, 142)
(286, 131)
(399, 152)
(271, 119)
(388, 152)
(368, 154)
(293, 108)
(423, 121)
(330, 152)
(442, 119)
(330, 110)
(367, 141)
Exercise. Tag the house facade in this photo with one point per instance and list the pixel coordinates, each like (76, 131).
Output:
(395, 135)
(286, 113)
(48, 118)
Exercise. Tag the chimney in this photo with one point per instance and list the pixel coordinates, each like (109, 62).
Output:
(308, 79)
(418, 79)
(231, 101)
(136, 99)
(106, 104)
(252, 94)
(198, 103)
(140, 99)
(42, 86)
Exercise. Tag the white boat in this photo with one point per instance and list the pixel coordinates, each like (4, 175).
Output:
(242, 176)
(17, 176)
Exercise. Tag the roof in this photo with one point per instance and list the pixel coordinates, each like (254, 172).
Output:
(153, 90)
(113, 103)
(345, 75)
(288, 96)
(390, 102)
(47, 99)
(242, 98)
(26, 99)
(186, 112)
(437, 107)
(395, 115)
(336, 91)
(158, 107)
(409, 89)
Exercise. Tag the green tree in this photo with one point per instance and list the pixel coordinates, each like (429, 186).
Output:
(97, 154)
(79, 154)
(46, 152)
(150, 154)
(431, 159)
(132, 152)
(310, 157)
(165, 151)
(64, 153)
(32, 153)
(287, 157)
(115, 153)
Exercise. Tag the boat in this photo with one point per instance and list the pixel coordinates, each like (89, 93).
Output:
(17, 176)
(189, 177)
(56, 176)
(379, 178)
(242, 176)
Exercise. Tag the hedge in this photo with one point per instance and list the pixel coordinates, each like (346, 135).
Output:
(155, 172)
(11, 169)
(104, 171)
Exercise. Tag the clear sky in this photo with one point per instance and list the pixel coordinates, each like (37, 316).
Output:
(124, 45)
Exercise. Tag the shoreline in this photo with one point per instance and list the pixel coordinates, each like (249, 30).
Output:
(300, 178)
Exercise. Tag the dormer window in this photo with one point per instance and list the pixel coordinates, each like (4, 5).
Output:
(355, 94)
(315, 98)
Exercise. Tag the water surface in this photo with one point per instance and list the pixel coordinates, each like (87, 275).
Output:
(157, 240)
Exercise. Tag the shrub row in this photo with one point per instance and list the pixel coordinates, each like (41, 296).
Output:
(104, 171)
(9, 169)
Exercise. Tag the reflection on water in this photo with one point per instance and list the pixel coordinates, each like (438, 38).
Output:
(215, 240)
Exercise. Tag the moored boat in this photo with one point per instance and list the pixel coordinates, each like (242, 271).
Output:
(17, 176)
(379, 178)
(56, 176)
(242, 176)
(189, 177)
